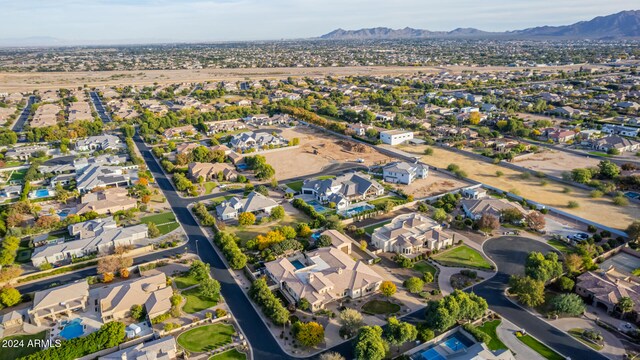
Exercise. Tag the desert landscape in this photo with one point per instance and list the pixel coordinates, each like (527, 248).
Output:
(554, 163)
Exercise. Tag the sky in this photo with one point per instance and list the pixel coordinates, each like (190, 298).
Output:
(134, 21)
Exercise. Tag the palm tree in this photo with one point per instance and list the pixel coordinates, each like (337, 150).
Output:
(625, 305)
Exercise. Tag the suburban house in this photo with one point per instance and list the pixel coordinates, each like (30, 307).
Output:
(617, 142)
(45, 115)
(100, 142)
(179, 131)
(93, 236)
(565, 111)
(25, 152)
(620, 130)
(60, 301)
(186, 148)
(557, 135)
(360, 129)
(404, 173)
(604, 288)
(411, 234)
(343, 189)
(79, 110)
(475, 208)
(210, 171)
(11, 319)
(106, 201)
(150, 291)
(161, 349)
(102, 176)
(254, 203)
(256, 140)
(324, 275)
(395, 137)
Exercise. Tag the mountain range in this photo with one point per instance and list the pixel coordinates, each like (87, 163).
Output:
(622, 25)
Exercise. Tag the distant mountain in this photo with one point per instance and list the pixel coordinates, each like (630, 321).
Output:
(625, 24)
(31, 41)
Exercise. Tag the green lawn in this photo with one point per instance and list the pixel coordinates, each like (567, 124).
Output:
(216, 201)
(296, 185)
(206, 338)
(396, 200)
(209, 186)
(166, 222)
(371, 228)
(540, 348)
(562, 246)
(489, 328)
(424, 267)
(246, 233)
(184, 281)
(577, 333)
(195, 302)
(232, 354)
(462, 256)
(598, 153)
(325, 177)
(10, 353)
(12, 163)
(17, 175)
(380, 307)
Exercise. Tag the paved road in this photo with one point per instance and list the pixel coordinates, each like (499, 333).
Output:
(82, 274)
(97, 103)
(24, 115)
(264, 346)
(509, 254)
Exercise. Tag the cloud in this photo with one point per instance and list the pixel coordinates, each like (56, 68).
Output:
(219, 20)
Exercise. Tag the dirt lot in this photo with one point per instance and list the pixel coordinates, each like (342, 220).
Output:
(436, 183)
(553, 162)
(331, 154)
(54, 80)
(599, 210)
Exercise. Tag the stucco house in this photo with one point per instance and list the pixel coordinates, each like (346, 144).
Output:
(411, 234)
(402, 172)
(343, 189)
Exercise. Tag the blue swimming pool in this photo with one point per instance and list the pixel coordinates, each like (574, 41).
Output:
(42, 193)
(632, 195)
(454, 343)
(357, 210)
(297, 264)
(64, 213)
(457, 342)
(316, 205)
(242, 167)
(72, 329)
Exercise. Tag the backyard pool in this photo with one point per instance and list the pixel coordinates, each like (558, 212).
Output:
(297, 264)
(457, 342)
(431, 354)
(64, 213)
(242, 167)
(72, 329)
(439, 351)
(316, 205)
(632, 195)
(40, 193)
(357, 210)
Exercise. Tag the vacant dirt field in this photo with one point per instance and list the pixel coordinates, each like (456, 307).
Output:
(553, 162)
(436, 183)
(599, 210)
(332, 154)
(54, 80)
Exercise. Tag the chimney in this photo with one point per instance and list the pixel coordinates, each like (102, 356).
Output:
(311, 277)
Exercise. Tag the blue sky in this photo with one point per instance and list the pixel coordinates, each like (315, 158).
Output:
(124, 21)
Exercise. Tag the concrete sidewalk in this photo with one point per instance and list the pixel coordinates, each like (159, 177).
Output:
(506, 332)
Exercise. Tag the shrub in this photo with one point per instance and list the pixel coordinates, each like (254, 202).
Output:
(573, 204)
(478, 334)
(413, 284)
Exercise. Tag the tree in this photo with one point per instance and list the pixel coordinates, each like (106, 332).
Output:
(210, 288)
(633, 231)
(331, 356)
(439, 215)
(351, 320)
(304, 231)
(535, 220)
(399, 332)
(369, 344)
(9, 296)
(580, 175)
(363, 245)
(308, 334)
(9, 250)
(573, 262)
(246, 218)
(530, 292)
(487, 223)
(387, 288)
(428, 277)
(277, 213)
(199, 270)
(625, 304)
(323, 241)
(304, 304)
(565, 284)
(137, 312)
(499, 173)
(569, 304)
(154, 232)
(608, 170)
(543, 267)
(414, 284)
(511, 215)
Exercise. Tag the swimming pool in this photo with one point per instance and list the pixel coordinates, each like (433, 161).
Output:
(457, 342)
(632, 195)
(450, 345)
(316, 205)
(357, 210)
(242, 167)
(63, 214)
(41, 193)
(298, 264)
(432, 354)
(72, 329)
